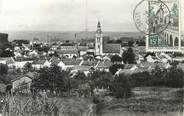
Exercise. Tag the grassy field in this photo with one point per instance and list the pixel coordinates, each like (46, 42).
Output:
(145, 101)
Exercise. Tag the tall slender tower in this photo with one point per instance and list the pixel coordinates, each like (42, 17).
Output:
(99, 40)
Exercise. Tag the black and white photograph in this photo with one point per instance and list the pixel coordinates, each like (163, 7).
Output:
(91, 57)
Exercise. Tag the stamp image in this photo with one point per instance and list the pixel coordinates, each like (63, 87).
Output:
(159, 21)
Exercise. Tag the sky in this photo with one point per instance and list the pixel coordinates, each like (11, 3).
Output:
(67, 15)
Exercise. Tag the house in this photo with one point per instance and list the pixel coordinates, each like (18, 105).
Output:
(68, 53)
(151, 59)
(166, 56)
(128, 69)
(178, 59)
(54, 60)
(106, 58)
(67, 50)
(150, 66)
(103, 65)
(140, 58)
(181, 66)
(54, 46)
(23, 83)
(33, 53)
(3, 88)
(82, 50)
(91, 63)
(85, 69)
(41, 64)
(26, 47)
(112, 49)
(69, 63)
(9, 61)
(21, 64)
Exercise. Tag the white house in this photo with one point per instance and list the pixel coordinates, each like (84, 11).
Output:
(179, 59)
(33, 53)
(21, 64)
(17, 54)
(181, 66)
(151, 59)
(41, 64)
(69, 63)
(22, 84)
(9, 61)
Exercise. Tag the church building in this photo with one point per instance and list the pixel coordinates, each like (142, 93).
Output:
(101, 47)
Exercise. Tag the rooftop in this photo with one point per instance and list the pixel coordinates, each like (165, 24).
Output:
(89, 63)
(67, 51)
(71, 61)
(104, 64)
(9, 60)
(112, 48)
(41, 62)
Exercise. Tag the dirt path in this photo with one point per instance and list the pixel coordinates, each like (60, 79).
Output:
(90, 110)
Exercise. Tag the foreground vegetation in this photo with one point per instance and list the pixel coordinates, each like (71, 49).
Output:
(23, 105)
(64, 82)
(145, 101)
(160, 90)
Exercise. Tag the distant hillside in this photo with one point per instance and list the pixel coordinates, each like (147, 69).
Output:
(61, 36)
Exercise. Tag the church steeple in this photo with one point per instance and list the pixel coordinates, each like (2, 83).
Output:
(99, 40)
(99, 30)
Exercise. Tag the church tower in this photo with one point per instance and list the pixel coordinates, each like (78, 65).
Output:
(99, 40)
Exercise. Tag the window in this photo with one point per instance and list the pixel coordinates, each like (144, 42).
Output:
(98, 40)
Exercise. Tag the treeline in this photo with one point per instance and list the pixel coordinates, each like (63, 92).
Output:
(172, 77)
(125, 40)
(65, 83)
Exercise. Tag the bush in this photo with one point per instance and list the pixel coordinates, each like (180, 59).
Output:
(121, 86)
(3, 69)
(53, 79)
(172, 77)
(116, 58)
(115, 67)
(140, 79)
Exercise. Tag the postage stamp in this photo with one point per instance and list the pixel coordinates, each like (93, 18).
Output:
(159, 20)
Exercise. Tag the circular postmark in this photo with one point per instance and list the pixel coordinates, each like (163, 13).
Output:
(151, 17)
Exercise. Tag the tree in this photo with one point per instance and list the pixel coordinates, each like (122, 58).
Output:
(121, 86)
(100, 79)
(80, 77)
(80, 83)
(115, 67)
(27, 67)
(53, 79)
(3, 69)
(174, 77)
(6, 50)
(116, 58)
(130, 43)
(129, 56)
(104, 81)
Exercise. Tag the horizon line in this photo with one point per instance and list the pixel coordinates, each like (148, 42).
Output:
(63, 31)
